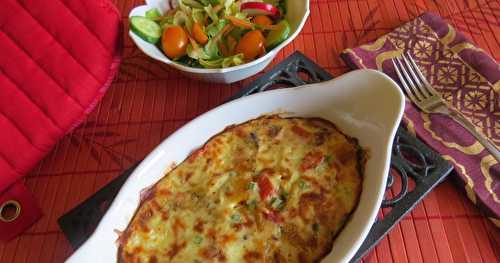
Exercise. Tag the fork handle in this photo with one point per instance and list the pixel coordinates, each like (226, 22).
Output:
(458, 117)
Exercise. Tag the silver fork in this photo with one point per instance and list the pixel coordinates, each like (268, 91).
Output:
(422, 94)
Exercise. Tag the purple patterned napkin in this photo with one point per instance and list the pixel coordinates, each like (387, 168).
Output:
(468, 79)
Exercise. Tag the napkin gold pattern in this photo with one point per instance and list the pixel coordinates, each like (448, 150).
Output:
(468, 79)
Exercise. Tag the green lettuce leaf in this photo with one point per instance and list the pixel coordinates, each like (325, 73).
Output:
(215, 27)
(212, 49)
(223, 62)
(182, 19)
(228, 3)
(216, 63)
(233, 61)
(238, 32)
(198, 15)
(241, 15)
(167, 21)
(205, 2)
(211, 13)
(231, 9)
(196, 52)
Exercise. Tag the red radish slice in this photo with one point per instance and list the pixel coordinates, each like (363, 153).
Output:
(259, 8)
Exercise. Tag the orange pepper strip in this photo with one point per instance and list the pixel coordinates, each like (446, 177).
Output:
(248, 25)
(240, 22)
(193, 42)
(223, 31)
(262, 20)
(217, 8)
(268, 27)
(198, 34)
(224, 50)
(219, 35)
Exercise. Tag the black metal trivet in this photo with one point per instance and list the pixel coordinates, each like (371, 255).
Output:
(411, 160)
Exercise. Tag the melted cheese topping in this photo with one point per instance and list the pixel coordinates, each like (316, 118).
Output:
(269, 190)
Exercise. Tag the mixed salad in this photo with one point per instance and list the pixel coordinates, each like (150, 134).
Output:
(215, 33)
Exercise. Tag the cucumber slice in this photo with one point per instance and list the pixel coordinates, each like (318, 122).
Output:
(145, 28)
(152, 13)
(275, 37)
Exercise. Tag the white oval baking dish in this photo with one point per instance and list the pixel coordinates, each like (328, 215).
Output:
(364, 104)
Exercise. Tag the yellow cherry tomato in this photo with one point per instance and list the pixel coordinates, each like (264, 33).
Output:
(262, 20)
(250, 45)
(174, 42)
(198, 34)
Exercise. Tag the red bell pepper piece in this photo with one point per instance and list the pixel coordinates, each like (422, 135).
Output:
(273, 216)
(266, 188)
(311, 160)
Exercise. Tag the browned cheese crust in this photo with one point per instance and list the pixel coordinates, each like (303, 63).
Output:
(269, 190)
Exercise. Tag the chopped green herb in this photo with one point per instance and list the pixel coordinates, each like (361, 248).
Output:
(235, 217)
(197, 240)
(251, 186)
(252, 204)
(232, 173)
(284, 195)
(302, 184)
(328, 159)
(315, 227)
(277, 203)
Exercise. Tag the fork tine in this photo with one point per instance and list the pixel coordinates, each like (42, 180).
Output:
(427, 85)
(409, 81)
(403, 82)
(425, 93)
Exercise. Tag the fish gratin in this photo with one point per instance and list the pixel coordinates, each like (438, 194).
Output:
(271, 189)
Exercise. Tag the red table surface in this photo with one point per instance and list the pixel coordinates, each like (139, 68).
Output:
(148, 101)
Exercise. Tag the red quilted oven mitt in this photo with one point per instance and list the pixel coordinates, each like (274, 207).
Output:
(57, 59)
